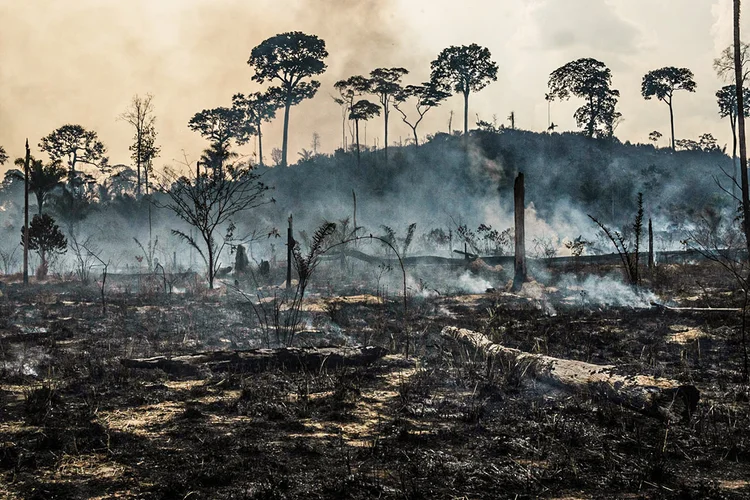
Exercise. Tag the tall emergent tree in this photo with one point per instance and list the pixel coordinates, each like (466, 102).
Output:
(386, 84)
(43, 179)
(208, 203)
(289, 58)
(74, 144)
(738, 83)
(350, 89)
(220, 126)
(256, 108)
(464, 69)
(425, 97)
(591, 80)
(140, 115)
(362, 110)
(663, 83)
(46, 238)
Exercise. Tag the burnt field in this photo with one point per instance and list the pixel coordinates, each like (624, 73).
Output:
(442, 423)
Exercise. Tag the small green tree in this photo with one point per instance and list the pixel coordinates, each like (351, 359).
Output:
(464, 69)
(663, 83)
(46, 239)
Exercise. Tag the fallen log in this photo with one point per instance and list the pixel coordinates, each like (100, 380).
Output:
(658, 397)
(254, 360)
(687, 310)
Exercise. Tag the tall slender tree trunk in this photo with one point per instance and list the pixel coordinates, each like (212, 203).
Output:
(741, 125)
(27, 159)
(356, 132)
(385, 113)
(671, 121)
(416, 139)
(284, 145)
(466, 113)
(733, 123)
(260, 145)
(138, 163)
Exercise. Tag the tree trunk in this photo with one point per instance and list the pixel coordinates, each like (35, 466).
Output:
(671, 121)
(138, 162)
(662, 398)
(733, 123)
(285, 143)
(416, 139)
(210, 251)
(741, 125)
(356, 132)
(466, 113)
(288, 358)
(519, 276)
(260, 146)
(385, 142)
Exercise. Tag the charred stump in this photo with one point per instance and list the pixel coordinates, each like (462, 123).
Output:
(520, 252)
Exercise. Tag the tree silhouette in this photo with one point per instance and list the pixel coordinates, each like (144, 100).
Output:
(3, 156)
(726, 98)
(220, 126)
(289, 58)
(257, 108)
(386, 85)
(663, 83)
(724, 64)
(591, 80)
(362, 110)
(464, 69)
(654, 136)
(46, 238)
(74, 144)
(43, 179)
(350, 89)
(208, 203)
(425, 97)
(140, 115)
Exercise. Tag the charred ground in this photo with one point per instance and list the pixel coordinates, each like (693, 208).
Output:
(441, 424)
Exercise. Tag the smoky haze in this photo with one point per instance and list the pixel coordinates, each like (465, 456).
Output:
(81, 62)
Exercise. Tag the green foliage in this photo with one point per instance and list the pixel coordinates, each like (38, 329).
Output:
(46, 238)
(75, 144)
(590, 80)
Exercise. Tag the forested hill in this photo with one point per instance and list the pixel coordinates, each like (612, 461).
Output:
(567, 176)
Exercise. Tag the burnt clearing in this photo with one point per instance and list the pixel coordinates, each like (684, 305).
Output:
(75, 423)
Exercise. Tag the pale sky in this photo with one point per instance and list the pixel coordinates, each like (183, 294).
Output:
(81, 61)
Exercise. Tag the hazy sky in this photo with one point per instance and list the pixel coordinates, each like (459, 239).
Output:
(81, 61)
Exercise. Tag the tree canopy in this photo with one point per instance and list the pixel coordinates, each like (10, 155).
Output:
(464, 69)
(220, 126)
(74, 144)
(591, 80)
(386, 85)
(662, 83)
(289, 58)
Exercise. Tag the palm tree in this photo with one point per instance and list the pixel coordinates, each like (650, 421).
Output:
(43, 179)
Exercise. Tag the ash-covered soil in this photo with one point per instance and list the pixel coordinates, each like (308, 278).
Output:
(75, 424)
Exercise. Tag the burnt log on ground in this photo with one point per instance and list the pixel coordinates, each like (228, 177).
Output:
(657, 397)
(698, 310)
(255, 360)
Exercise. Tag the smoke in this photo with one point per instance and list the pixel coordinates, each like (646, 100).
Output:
(603, 291)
